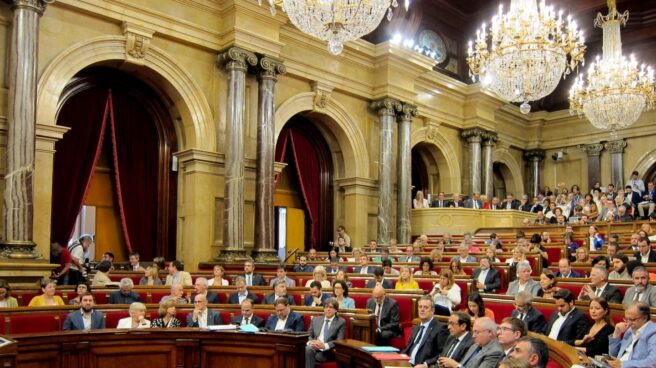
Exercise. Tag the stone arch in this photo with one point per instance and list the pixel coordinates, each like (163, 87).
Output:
(335, 118)
(645, 163)
(513, 176)
(445, 157)
(196, 129)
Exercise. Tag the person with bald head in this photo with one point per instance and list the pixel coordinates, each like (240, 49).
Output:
(387, 315)
(633, 343)
(486, 352)
(201, 316)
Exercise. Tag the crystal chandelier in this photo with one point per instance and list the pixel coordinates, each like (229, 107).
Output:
(526, 53)
(617, 91)
(336, 21)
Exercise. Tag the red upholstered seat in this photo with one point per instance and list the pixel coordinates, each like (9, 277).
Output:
(360, 300)
(358, 283)
(111, 318)
(426, 285)
(501, 309)
(158, 295)
(307, 319)
(575, 288)
(327, 365)
(502, 275)
(464, 289)
(182, 316)
(101, 297)
(34, 323)
(554, 255)
(553, 364)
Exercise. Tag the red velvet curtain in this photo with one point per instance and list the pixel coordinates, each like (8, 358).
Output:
(76, 158)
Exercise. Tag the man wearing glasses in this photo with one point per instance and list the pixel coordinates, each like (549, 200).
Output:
(484, 353)
(460, 338)
(509, 332)
(201, 316)
(524, 311)
(633, 344)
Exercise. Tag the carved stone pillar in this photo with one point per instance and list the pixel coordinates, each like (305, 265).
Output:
(535, 157)
(386, 109)
(236, 62)
(489, 138)
(474, 137)
(616, 149)
(269, 69)
(404, 175)
(594, 165)
(18, 207)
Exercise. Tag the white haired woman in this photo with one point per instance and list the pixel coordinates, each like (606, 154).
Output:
(319, 274)
(137, 317)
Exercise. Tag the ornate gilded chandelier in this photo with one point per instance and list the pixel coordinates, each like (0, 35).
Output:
(336, 21)
(526, 53)
(617, 91)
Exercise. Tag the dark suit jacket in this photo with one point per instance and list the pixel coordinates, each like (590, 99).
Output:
(234, 298)
(370, 269)
(295, 322)
(492, 280)
(387, 284)
(213, 319)
(513, 205)
(469, 203)
(571, 275)
(336, 332)
(536, 209)
(271, 298)
(74, 322)
(255, 320)
(436, 203)
(258, 280)
(431, 344)
(461, 204)
(574, 327)
(329, 269)
(116, 297)
(526, 207)
(610, 293)
(389, 316)
(534, 320)
(212, 298)
(308, 299)
(460, 351)
(651, 258)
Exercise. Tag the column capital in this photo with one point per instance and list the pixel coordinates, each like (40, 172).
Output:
(38, 6)
(535, 154)
(237, 58)
(489, 138)
(386, 106)
(615, 146)
(407, 111)
(473, 135)
(592, 149)
(270, 68)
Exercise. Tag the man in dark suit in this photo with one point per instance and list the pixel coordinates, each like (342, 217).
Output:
(252, 278)
(524, 311)
(316, 297)
(387, 313)
(484, 353)
(242, 293)
(125, 295)
(510, 203)
(474, 202)
(200, 287)
(536, 206)
(285, 319)
(201, 316)
(428, 337)
(302, 265)
(379, 279)
(75, 320)
(247, 317)
(460, 337)
(334, 266)
(569, 323)
(487, 279)
(279, 291)
(510, 330)
(599, 287)
(565, 269)
(324, 330)
(456, 202)
(364, 267)
(645, 254)
(523, 204)
(440, 202)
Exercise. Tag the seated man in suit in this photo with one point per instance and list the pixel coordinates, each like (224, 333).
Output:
(569, 323)
(200, 287)
(324, 330)
(247, 317)
(201, 316)
(645, 254)
(463, 254)
(85, 318)
(565, 269)
(532, 350)
(525, 312)
(599, 287)
(484, 353)
(510, 203)
(460, 337)
(285, 319)
(523, 281)
(379, 279)
(387, 312)
(279, 291)
(440, 202)
(410, 255)
(536, 206)
(633, 343)
(474, 202)
(177, 295)
(316, 297)
(427, 338)
(252, 278)
(334, 266)
(302, 265)
(523, 204)
(177, 275)
(487, 278)
(642, 290)
(364, 267)
(281, 275)
(509, 332)
(456, 201)
(242, 292)
(125, 295)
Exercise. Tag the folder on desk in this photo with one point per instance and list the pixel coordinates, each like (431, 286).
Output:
(380, 349)
(390, 356)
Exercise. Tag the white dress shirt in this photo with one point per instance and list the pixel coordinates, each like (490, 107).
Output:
(558, 323)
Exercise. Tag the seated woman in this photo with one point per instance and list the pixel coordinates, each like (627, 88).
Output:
(425, 268)
(491, 252)
(547, 284)
(405, 281)
(218, 279)
(342, 276)
(420, 201)
(48, 287)
(446, 294)
(137, 317)
(436, 255)
(319, 274)
(334, 254)
(583, 256)
(101, 278)
(340, 290)
(456, 268)
(80, 290)
(166, 317)
(151, 278)
(595, 341)
(6, 300)
(476, 307)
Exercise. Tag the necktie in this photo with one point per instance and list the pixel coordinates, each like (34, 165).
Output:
(521, 316)
(249, 281)
(378, 308)
(478, 349)
(452, 348)
(247, 321)
(416, 344)
(475, 205)
(326, 328)
(598, 291)
(637, 296)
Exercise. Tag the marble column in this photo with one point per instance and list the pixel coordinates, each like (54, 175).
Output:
(489, 138)
(269, 69)
(474, 137)
(18, 207)
(236, 61)
(404, 174)
(386, 109)
(616, 150)
(594, 165)
(534, 157)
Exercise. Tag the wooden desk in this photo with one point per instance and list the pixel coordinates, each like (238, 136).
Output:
(349, 353)
(445, 220)
(161, 348)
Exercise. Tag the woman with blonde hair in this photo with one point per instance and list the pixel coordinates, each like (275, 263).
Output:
(319, 274)
(420, 201)
(48, 298)
(436, 255)
(456, 268)
(446, 294)
(218, 279)
(405, 280)
(342, 276)
(166, 318)
(151, 277)
(137, 317)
